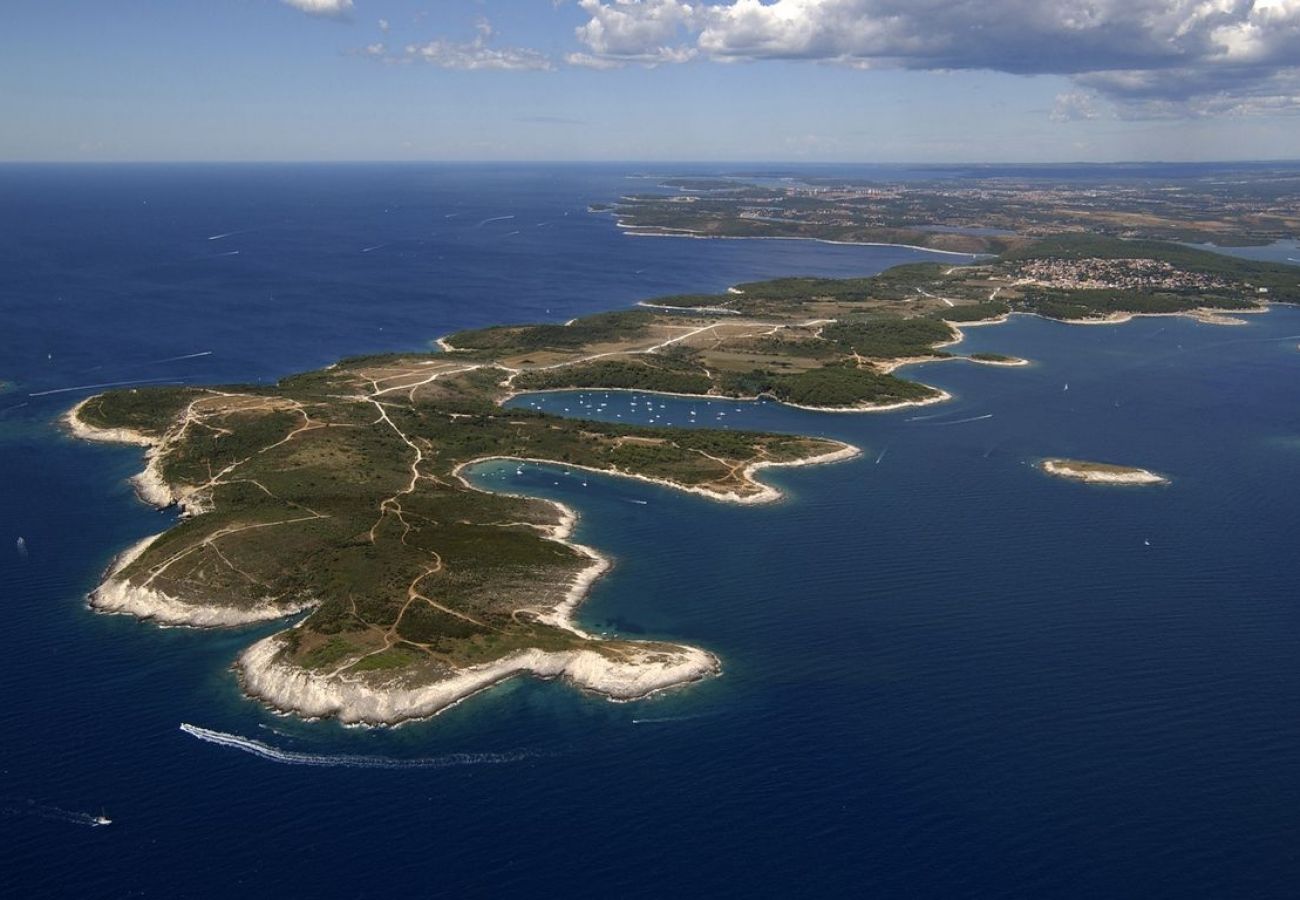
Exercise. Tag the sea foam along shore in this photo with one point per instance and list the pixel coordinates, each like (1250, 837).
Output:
(636, 672)
(149, 483)
(1092, 473)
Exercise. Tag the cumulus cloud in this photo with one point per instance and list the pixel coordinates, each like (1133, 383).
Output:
(1141, 54)
(321, 7)
(478, 54)
(644, 31)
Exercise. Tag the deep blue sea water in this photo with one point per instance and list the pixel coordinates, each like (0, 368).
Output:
(945, 674)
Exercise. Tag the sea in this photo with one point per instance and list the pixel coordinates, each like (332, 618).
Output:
(945, 674)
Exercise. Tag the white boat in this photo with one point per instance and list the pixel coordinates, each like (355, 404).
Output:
(102, 819)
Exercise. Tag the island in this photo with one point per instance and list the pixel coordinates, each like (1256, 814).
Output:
(997, 359)
(341, 495)
(1100, 473)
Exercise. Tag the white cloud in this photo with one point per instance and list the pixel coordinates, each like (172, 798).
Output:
(1074, 106)
(321, 7)
(473, 56)
(477, 54)
(645, 31)
(587, 61)
(1134, 52)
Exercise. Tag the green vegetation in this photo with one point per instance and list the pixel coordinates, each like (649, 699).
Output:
(148, 411)
(805, 288)
(828, 386)
(986, 210)
(832, 386)
(598, 329)
(975, 312)
(888, 338)
(617, 374)
(339, 489)
(1088, 304)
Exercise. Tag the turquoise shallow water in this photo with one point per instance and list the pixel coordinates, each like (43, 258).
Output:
(945, 673)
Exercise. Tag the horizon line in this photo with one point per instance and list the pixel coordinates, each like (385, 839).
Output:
(642, 162)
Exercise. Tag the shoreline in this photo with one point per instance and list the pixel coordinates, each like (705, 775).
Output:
(1203, 315)
(716, 310)
(765, 493)
(644, 670)
(640, 673)
(1099, 473)
(148, 483)
(634, 231)
(640, 669)
(117, 597)
(628, 670)
(941, 397)
(616, 669)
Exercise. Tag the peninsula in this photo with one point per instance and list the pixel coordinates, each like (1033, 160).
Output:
(340, 494)
(975, 209)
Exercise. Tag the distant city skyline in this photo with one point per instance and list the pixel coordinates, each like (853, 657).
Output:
(650, 80)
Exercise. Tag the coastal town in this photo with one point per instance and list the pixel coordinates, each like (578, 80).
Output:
(1095, 274)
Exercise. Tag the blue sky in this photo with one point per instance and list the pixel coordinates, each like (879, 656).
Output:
(729, 80)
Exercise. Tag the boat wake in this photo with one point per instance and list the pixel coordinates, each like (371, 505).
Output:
(964, 421)
(53, 814)
(493, 219)
(297, 758)
(664, 720)
(88, 387)
(178, 358)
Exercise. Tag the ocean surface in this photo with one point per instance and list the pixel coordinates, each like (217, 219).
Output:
(945, 674)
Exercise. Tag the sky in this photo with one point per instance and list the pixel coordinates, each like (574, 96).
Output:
(650, 80)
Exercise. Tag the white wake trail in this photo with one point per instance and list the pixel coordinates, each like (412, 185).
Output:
(52, 814)
(296, 758)
(87, 387)
(963, 421)
(178, 358)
